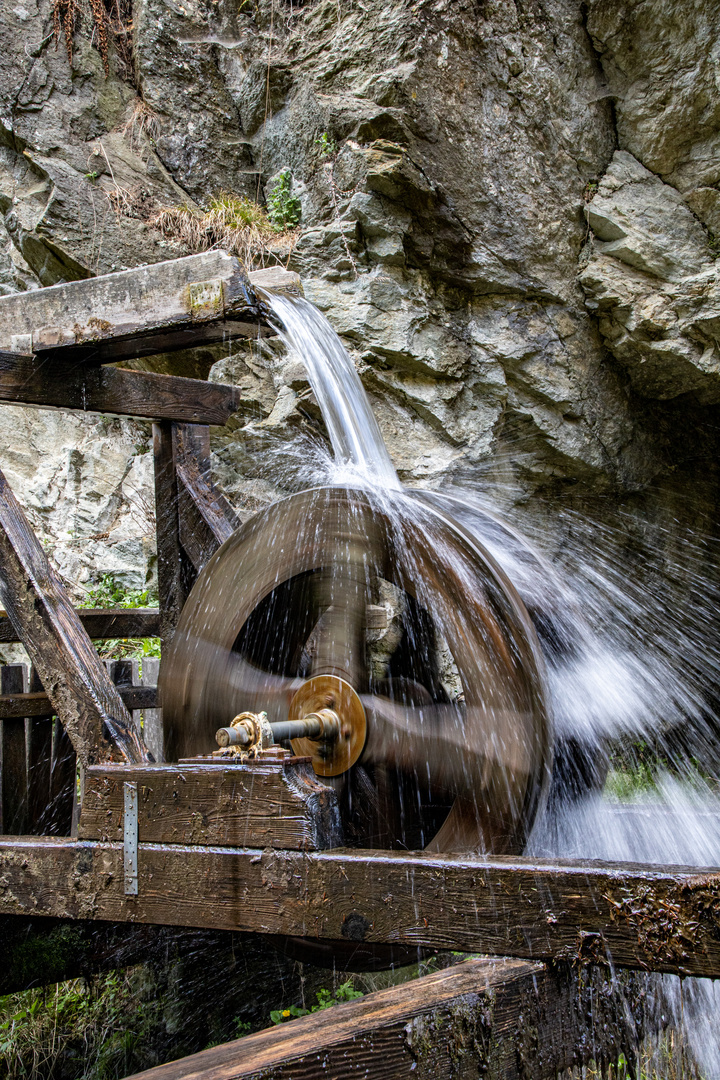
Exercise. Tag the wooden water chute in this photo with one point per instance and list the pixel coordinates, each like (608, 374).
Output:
(250, 843)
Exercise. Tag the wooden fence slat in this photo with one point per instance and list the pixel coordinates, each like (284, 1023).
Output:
(14, 757)
(175, 573)
(151, 717)
(39, 735)
(63, 774)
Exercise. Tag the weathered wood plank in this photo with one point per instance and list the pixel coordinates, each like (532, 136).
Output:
(39, 737)
(38, 704)
(151, 309)
(175, 573)
(13, 755)
(63, 779)
(47, 381)
(81, 693)
(206, 519)
(278, 804)
(103, 623)
(663, 919)
(481, 1018)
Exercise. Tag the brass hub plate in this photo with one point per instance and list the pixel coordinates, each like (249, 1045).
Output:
(330, 692)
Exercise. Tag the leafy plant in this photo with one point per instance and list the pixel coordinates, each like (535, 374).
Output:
(284, 208)
(110, 593)
(325, 1000)
(328, 146)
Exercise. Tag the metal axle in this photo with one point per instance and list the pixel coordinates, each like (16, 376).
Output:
(321, 725)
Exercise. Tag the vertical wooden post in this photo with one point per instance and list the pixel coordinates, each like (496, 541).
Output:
(14, 758)
(174, 575)
(39, 736)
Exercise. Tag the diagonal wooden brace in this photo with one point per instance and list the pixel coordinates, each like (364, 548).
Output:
(46, 622)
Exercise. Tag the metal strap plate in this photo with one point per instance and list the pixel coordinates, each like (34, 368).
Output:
(130, 838)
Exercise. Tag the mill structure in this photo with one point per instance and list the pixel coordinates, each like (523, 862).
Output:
(221, 803)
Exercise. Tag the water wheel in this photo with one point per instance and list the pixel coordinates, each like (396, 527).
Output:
(394, 618)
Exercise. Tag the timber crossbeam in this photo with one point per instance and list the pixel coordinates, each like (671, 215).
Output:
(647, 917)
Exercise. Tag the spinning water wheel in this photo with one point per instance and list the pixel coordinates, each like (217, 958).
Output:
(439, 740)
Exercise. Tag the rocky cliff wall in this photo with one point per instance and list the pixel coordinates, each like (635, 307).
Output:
(510, 212)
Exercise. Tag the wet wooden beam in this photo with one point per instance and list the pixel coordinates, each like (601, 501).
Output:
(103, 623)
(662, 919)
(39, 704)
(206, 519)
(481, 1018)
(40, 609)
(171, 305)
(271, 803)
(49, 381)
(174, 567)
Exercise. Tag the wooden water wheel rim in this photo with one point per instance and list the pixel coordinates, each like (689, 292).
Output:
(494, 759)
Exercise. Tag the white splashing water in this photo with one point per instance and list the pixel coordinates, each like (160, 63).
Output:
(621, 661)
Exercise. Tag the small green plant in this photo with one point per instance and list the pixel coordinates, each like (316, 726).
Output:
(231, 222)
(92, 176)
(284, 208)
(109, 593)
(328, 146)
(325, 1000)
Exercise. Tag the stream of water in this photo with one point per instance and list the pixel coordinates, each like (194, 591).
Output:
(623, 663)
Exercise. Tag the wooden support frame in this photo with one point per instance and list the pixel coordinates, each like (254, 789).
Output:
(479, 1019)
(103, 623)
(78, 686)
(655, 918)
(47, 381)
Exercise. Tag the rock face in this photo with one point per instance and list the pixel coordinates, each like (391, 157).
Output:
(508, 213)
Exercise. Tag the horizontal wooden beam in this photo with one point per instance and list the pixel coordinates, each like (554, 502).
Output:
(663, 919)
(103, 623)
(39, 704)
(37, 380)
(481, 1018)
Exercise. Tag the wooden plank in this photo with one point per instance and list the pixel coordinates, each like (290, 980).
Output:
(175, 573)
(151, 309)
(104, 623)
(269, 803)
(45, 380)
(63, 781)
(481, 1018)
(659, 918)
(13, 753)
(39, 736)
(206, 519)
(152, 717)
(38, 703)
(79, 689)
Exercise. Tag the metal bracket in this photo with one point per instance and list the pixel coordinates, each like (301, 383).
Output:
(130, 838)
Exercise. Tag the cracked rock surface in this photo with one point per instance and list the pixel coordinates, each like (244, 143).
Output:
(510, 213)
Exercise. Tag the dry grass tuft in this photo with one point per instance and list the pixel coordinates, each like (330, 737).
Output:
(231, 222)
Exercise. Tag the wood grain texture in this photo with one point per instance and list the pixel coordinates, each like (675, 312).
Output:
(39, 704)
(46, 380)
(13, 756)
(78, 686)
(280, 805)
(482, 1018)
(175, 573)
(104, 623)
(206, 519)
(663, 919)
